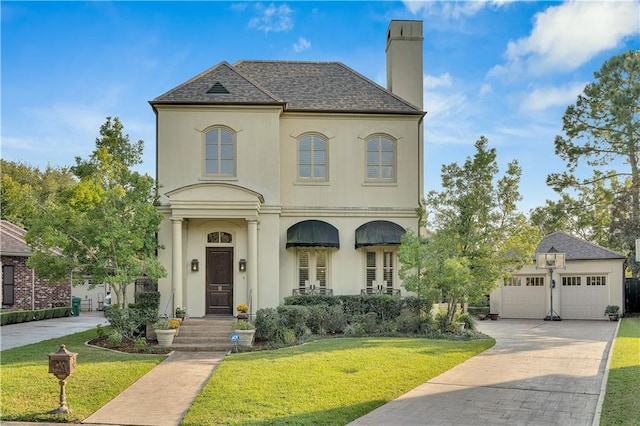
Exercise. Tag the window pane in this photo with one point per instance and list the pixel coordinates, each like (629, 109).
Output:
(226, 137)
(226, 152)
(321, 258)
(211, 137)
(303, 258)
(227, 167)
(211, 166)
(372, 159)
(372, 172)
(387, 158)
(305, 157)
(305, 171)
(386, 172)
(319, 157)
(319, 171)
(387, 145)
(225, 237)
(305, 144)
(372, 145)
(211, 152)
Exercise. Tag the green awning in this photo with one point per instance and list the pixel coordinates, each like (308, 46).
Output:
(313, 233)
(379, 233)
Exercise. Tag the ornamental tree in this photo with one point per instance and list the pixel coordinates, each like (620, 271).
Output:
(105, 225)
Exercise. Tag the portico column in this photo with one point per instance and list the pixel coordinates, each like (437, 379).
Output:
(176, 262)
(252, 265)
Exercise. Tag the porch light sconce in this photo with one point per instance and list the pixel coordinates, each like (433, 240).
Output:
(195, 265)
(242, 265)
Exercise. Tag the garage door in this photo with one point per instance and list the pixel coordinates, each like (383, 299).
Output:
(583, 297)
(524, 297)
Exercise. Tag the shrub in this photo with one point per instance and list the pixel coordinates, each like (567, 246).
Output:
(467, 319)
(294, 318)
(336, 320)
(130, 323)
(317, 317)
(243, 325)
(409, 323)
(114, 338)
(267, 321)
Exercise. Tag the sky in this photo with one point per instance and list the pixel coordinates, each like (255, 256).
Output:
(506, 70)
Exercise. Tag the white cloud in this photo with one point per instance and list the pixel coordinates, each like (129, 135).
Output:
(442, 80)
(272, 18)
(451, 9)
(544, 98)
(485, 89)
(566, 36)
(301, 44)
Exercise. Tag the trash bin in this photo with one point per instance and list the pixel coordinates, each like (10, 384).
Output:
(75, 306)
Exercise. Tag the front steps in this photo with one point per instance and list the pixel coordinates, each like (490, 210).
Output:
(208, 334)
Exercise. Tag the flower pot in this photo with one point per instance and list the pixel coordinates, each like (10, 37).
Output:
(246, 337)
(243, 315)
(180, 316)
(493, 317)
(165, 337)
(613, 317)
(460, 326)
(150, 333)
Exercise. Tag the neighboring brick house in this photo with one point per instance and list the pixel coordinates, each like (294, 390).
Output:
(21, 286)
(281, 178)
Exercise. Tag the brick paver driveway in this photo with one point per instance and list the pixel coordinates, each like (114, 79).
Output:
(538, 373)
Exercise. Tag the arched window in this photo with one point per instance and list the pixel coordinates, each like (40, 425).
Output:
(219, 238)
(381, 158)
(220, 152)
(312, 158)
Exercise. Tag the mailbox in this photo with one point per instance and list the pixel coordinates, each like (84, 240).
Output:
(62, 364)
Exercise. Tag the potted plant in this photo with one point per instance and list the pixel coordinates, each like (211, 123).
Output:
(246, 330)
(180, 312)
(166, 331)
(243, 310)
(613, 311)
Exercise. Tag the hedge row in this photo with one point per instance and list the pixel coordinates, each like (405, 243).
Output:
(15, 317)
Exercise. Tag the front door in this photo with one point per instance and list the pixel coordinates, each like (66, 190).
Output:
(219, 280)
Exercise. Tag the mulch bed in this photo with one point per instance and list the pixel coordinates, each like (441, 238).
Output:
(129, 346)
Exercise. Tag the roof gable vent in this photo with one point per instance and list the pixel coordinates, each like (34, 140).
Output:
(218, 89)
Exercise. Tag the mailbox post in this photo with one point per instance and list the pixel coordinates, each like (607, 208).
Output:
(61, 365)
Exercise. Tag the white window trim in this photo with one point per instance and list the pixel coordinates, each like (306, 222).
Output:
(312, 180)
(203, 162)
(312, 267)
(380, 181)
(379, 251)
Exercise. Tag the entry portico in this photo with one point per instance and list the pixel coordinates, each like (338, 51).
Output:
(217, 222)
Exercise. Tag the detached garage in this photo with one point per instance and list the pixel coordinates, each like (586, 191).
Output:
(593, 277)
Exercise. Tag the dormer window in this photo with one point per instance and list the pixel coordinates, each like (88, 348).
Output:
(220, 152)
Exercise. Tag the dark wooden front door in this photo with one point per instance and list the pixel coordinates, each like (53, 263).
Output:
(219, 280)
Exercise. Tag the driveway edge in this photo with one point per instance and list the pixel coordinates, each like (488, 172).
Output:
(605, 378)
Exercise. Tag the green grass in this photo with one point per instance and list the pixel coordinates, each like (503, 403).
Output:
(328, 382)
(29, 392)
(623, 387)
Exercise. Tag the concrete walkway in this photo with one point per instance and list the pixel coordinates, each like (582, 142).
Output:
(177, 381)
(538, 373)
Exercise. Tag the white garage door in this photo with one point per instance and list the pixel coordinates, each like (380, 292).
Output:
(583, 297)
(524, 297)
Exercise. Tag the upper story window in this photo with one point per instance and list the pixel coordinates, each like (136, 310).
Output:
(220, 152)
(312, 158)
(381, 159)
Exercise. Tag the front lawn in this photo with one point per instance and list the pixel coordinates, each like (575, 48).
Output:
(623, 387)
(29, 392)
(328, 382)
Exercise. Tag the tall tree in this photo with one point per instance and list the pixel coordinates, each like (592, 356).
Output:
(104, 226)
(25, 187)
(602, 129)
(478, 234)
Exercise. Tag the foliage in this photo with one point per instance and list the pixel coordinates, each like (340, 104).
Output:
(128, 322)
(611, 309)
(477, 237)
(243, 308)
(25, 190)
(602, 130)
(180, 310)
(100, 377)
(104, 226)
(164, 324)
(148, 299)
(15, 317)
(287, 392)
(243, 325)
(620, 405)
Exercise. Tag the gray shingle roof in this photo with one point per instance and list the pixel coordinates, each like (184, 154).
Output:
(302, 86)
(575, 248)
(12, 241)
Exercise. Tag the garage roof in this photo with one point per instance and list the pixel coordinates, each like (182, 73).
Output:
(575, 248)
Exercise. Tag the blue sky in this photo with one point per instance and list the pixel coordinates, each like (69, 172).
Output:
(506, 70)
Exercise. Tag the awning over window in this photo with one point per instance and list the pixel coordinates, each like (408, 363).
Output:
(379, 233)
(313, 233)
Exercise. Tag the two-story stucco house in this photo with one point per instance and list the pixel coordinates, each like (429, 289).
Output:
(281, 177)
